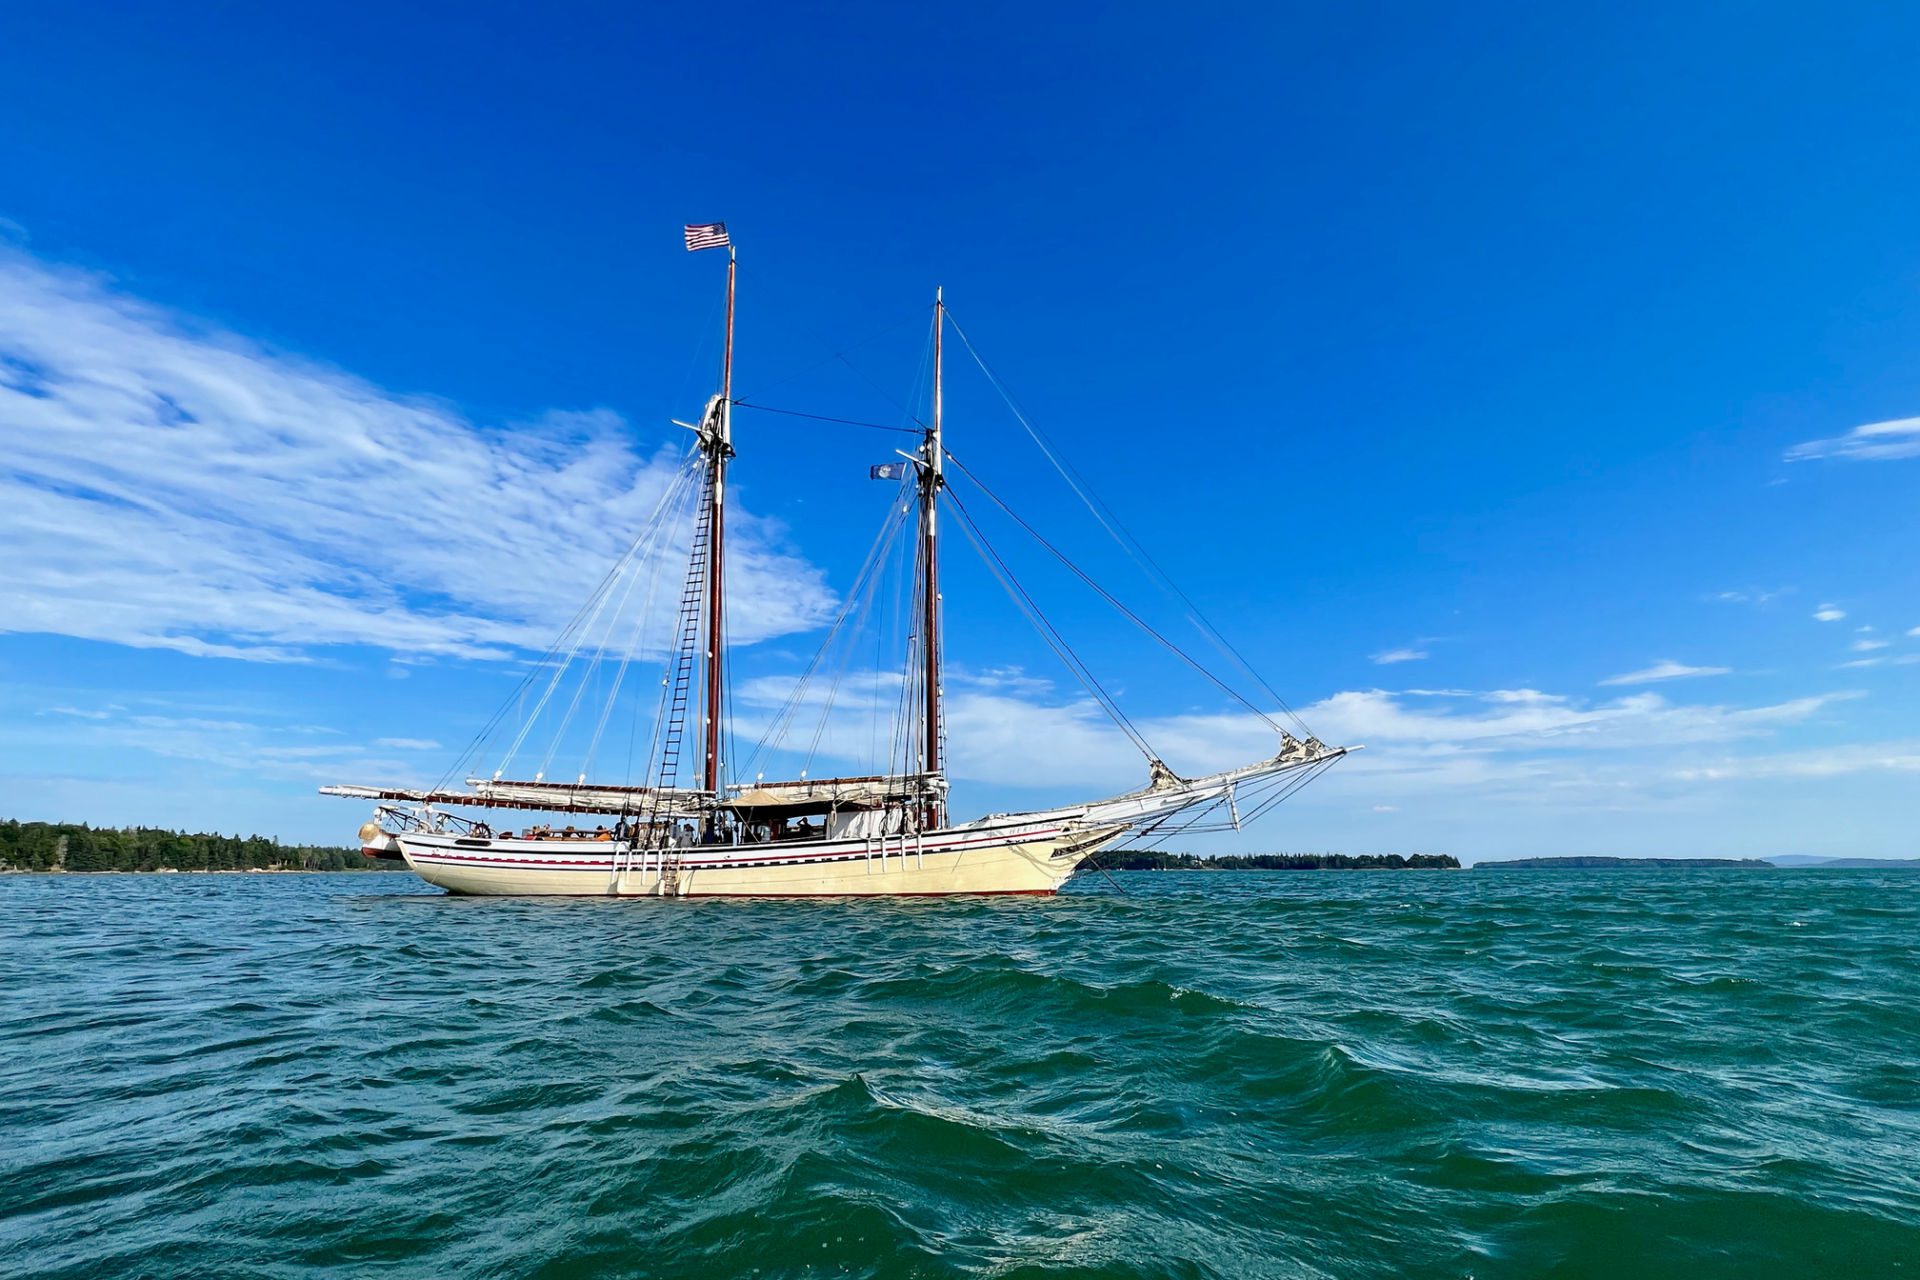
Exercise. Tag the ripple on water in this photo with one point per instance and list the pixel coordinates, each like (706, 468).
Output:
(1289, 1074)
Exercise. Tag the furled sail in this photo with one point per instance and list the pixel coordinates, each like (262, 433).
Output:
(543, 797)
(839, 793)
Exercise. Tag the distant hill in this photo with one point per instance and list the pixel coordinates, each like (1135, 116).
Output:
(1854, 864)
(1619, 864)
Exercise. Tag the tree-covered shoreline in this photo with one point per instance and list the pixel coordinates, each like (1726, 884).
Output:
(1152, 860)
(65, 846)
(78, 847)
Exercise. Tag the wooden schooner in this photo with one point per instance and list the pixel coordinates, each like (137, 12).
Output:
(883, 833)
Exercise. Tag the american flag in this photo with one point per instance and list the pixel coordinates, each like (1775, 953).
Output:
(707, 235)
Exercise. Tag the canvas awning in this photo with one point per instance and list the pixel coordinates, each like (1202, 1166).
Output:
(543, 797)
(803, 796)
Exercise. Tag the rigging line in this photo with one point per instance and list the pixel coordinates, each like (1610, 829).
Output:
(691, 494)
(1181, 822)
(704, 348)
(1293, 785)
(1049, 632)
(589, 671)
(1190, 819)
(926, 355)
(882, 331)
(676, 655)
(1109, 597)
(1282, 786)
(886, 395)
(726, 712)
(907, 714)
(642, 553)
(789, 708)
(906, 745)
(1093, 860)
(896, 576)
(657, 562)
(560, 671)
(821, 417)
(1123, 536)
(908, 737)
(469, 758)
(896, 521)
(899, 757)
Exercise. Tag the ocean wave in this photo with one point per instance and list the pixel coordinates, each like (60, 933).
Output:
(1208, 1075)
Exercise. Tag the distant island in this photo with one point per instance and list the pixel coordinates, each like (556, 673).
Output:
(60, 846)
(1585, 862)
(1847, 864)
(1149, 860)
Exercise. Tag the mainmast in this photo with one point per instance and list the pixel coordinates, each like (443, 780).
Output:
(930, 484)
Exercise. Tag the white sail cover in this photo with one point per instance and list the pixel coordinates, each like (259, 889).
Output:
(548, 797)
(582, 796)
(839, 793)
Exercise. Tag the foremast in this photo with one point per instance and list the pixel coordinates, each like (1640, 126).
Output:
(716, 440)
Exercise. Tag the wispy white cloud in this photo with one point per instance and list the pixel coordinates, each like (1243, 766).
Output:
(1876, 441)
(1665, 669)
(1530, 696)
(1751, 596)
(83, 713)
(257, 749)
(407, 744)
(1864, 757)
(1829, 613)
(1391, 656)
(169, 486)
(1868, 645)
(1462, 739)
(1550, 722)
(1513, 747)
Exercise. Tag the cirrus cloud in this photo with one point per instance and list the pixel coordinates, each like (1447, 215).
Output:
(1665, 669)
(1391, 656)
(1874, 442)
(169, 486)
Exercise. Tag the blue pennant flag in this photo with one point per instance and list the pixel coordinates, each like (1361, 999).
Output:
(887, 471)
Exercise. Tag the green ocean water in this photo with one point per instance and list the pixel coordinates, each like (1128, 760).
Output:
(1621, 1074)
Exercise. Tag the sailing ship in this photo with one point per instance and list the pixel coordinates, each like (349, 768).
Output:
(883, 833)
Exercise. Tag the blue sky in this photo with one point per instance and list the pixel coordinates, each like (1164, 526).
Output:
(1499, 378)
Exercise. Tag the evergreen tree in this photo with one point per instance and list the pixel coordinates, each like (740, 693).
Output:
(47, 846)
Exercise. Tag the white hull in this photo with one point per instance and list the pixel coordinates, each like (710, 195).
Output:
(1031, 856)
